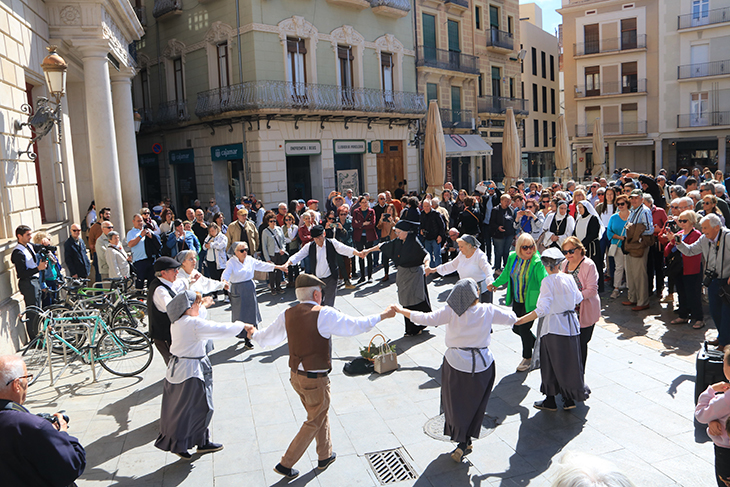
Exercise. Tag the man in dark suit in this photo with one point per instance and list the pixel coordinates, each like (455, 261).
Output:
(490, 200)
(74, 254)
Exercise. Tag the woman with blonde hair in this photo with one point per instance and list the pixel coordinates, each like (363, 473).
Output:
(709, 206)
(523, 275)
(689, 283)
(578, 195)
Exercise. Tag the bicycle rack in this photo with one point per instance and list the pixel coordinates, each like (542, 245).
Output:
(72, 318)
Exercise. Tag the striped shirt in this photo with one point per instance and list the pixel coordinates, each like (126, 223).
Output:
(518, 275)
(642, 214)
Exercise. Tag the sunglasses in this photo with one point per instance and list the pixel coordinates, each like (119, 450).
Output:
(289, 219)
(242, 251)
(29, 377)
(330, 219)
(674, 207)
(527, 247)
(570, 251)
(706, 203)
(75, 231)
(620, 204)
(682, 221)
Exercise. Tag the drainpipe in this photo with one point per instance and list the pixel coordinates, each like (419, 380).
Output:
(238, 34)
(246, 169)
(421, 177)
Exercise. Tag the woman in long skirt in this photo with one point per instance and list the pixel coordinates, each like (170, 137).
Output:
(468, 367)
(187, 396)
(558, 336)
(240, 272)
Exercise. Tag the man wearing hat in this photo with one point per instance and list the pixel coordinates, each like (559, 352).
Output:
(637, 278)
(242, 230)
(159, 294)
(322, 253)
(308, 328)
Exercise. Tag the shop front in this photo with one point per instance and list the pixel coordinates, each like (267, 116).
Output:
(303, 168)
(149, 175)
(228, 176)
(186, 189)
(462, 152)
(349, 173)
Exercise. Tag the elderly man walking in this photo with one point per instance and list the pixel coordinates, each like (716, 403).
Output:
(639, 239)
(102, 243)
(74, 253)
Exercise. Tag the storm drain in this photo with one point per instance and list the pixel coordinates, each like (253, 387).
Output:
(390, 466)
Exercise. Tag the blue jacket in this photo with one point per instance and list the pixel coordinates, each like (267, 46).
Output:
(74, 254)
(190, 240)
(616, 227)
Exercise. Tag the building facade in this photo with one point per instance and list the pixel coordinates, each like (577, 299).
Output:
(694, 104)
(90, 154)
(321, 96)
(541, 78)
(611, 50)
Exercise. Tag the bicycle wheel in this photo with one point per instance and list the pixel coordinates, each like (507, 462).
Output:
(132, 314)
(124, 351)
(35, 357)
(29, 320)
(73, 331)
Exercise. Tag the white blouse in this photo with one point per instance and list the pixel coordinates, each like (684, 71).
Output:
(558, 294)
(477, 267)
(470, 330)
(237, 271)
(203, 285)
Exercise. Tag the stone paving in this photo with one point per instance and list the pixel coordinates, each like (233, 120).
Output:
(639, 415)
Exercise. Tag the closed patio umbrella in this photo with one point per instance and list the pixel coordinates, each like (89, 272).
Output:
(562, 151)
(599, 150)
(511, 151)
(434, 151)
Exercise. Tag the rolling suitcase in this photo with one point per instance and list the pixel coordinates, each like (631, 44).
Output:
(709, 369)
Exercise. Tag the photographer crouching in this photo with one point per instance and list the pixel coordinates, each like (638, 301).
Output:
(34, 450)
(715, 249)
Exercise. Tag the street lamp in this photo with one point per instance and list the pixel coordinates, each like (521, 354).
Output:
(47, 113)
(137, 121)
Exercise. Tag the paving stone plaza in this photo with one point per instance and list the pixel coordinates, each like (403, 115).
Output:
(639, 415)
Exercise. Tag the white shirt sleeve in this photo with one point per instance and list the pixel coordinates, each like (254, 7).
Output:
(486, 268)
(161, 298)
(302, 254)
(450, 266)
(342, 249)
(503, 316)
(545, 300)
(210, 330)
(262, 266)
(434, 318)
(273, 334)
(333, 322)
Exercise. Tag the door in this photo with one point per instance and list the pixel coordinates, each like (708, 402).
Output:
(187, 189)
(429, 37)
(295, 70)
(699, 55)
(700, 12)
(36, 162)
(299, 178)
(345, 58)
(390, 165)
(349, 161)
(494, 25)
(454, 44)
(455, 104)
(698, 109)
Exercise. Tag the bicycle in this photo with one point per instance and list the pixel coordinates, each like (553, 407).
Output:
(122, 351)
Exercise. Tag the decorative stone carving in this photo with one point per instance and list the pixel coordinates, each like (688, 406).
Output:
(119, 44)
(143, 60)
(346, 35)
(389, 43)
(297, 26)
(219, 32)
(71, 15)
(174, 49)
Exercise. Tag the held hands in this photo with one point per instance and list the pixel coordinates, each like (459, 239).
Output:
(721, 387)
(250, 329)
(226, 285)
(520, 321)
(429, 270)
(715, 428)
(283, 268)
(207, 302)
(388, 313)
(491, 288)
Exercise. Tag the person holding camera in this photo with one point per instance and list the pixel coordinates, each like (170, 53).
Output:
(714, 245)
(686, 272)
(141, 262)
(36, 450)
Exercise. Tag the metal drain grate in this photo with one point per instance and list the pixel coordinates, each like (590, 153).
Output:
(390, 466)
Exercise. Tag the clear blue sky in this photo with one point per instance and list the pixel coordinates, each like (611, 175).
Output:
(550, 18)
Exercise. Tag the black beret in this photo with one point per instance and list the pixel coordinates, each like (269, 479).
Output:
(164, 263)
(316, 231)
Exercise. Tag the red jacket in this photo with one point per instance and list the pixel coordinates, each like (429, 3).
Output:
(358, 220)
(691, 265)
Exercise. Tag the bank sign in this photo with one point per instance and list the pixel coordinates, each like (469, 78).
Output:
(185, 156)
(302, 147)
(350, 146)
(226, 152)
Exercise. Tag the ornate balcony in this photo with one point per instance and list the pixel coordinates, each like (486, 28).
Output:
(172, 112)
(501, 41)
(457, 119)
(629, 40)
(700, 70)
(283, 95)
(499, 104)
(613, 88)
(622, 128)
(699, 19)
(706, 119)
(391, 8)
(457, 6)
(356, 4)
(448, 60)
(165, 9)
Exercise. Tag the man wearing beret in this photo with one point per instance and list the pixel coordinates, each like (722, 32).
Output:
(322, 253)
(308, 328)
(159, 295)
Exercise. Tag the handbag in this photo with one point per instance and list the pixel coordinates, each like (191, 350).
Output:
(383, 357)
(540, 246)
(612, 250)
(675, 264)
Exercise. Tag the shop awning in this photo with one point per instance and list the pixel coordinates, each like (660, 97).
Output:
(466, 145)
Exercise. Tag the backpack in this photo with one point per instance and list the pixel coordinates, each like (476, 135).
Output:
(84, 224)
(152, 246)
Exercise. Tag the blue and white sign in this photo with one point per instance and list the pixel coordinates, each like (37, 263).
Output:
(226, 152)
(185, 156)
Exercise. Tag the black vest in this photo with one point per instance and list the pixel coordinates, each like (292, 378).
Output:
(331, 257)
(159, 321)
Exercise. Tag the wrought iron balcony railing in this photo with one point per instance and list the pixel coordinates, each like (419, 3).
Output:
(460, 3)
(501, 39)
(622, 128)
(499, 104)
(449, 60)
(261, 95)
(696, 19)
(173, 112)
(403, 5)
(629, 40)
(706, 119)
(613, 88)
(458, 119)
(163, 7)
(714, 68)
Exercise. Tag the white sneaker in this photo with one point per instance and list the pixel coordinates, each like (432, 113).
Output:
(615, 294)
(524, 365)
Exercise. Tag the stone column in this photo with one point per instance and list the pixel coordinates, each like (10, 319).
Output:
(659, 155)
(721, 153)
(102, 135)
(127, 141)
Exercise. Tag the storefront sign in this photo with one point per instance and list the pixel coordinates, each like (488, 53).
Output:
(375, 147)
(350, 146)
(302, 147)
(228, 152)
(148, 159)
(185, 156)
(632, 143)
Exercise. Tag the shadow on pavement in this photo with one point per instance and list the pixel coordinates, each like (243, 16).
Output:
(444, 471)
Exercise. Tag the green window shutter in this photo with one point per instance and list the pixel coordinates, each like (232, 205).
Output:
(429, 31)
(456, 98)
(454, 36)
(493, 17)
(432, 92)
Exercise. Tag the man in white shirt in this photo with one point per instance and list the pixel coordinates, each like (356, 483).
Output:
(161, 291)
(308, 328)
(322, 253)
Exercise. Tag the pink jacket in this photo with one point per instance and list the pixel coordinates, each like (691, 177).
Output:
(711, 407)
(590, 307)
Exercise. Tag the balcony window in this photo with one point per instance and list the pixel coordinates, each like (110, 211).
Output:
(545, 138)
(223, 75)
(591, 39)
(478, 17)
(552, 101)
(496, 81)
(177, 67)
(700, 12)
(629, 78)
(432, 92)
(543, 64)
(455, 104)
(454, 43)
(536, 132)
(429, 38)
(386, 68)
(535, 101)
(628, 34)
(552, 130)
(552, 68)
(481, 84)
(345, 58)
(544, 99)
(593, 84)
(296, 58)
(699, 104)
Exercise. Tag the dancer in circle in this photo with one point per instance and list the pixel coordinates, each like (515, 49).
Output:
(471, 262)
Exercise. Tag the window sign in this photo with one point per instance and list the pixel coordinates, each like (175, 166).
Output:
(302, 147)
(350, 146)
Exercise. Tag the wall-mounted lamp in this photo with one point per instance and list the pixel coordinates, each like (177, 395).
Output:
(137, 121)
(46, 114)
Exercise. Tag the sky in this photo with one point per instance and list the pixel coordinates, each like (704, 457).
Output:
(550, 18)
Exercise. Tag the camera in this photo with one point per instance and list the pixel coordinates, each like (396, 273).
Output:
(52, 419)
(386, 216)
(677, 238)
(673, 227)
(708, 277)
(45, 251)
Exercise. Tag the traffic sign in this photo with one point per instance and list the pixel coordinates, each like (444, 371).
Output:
(157, 148)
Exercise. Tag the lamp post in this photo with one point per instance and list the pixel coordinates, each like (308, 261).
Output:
(137, 121)
(47, 113)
